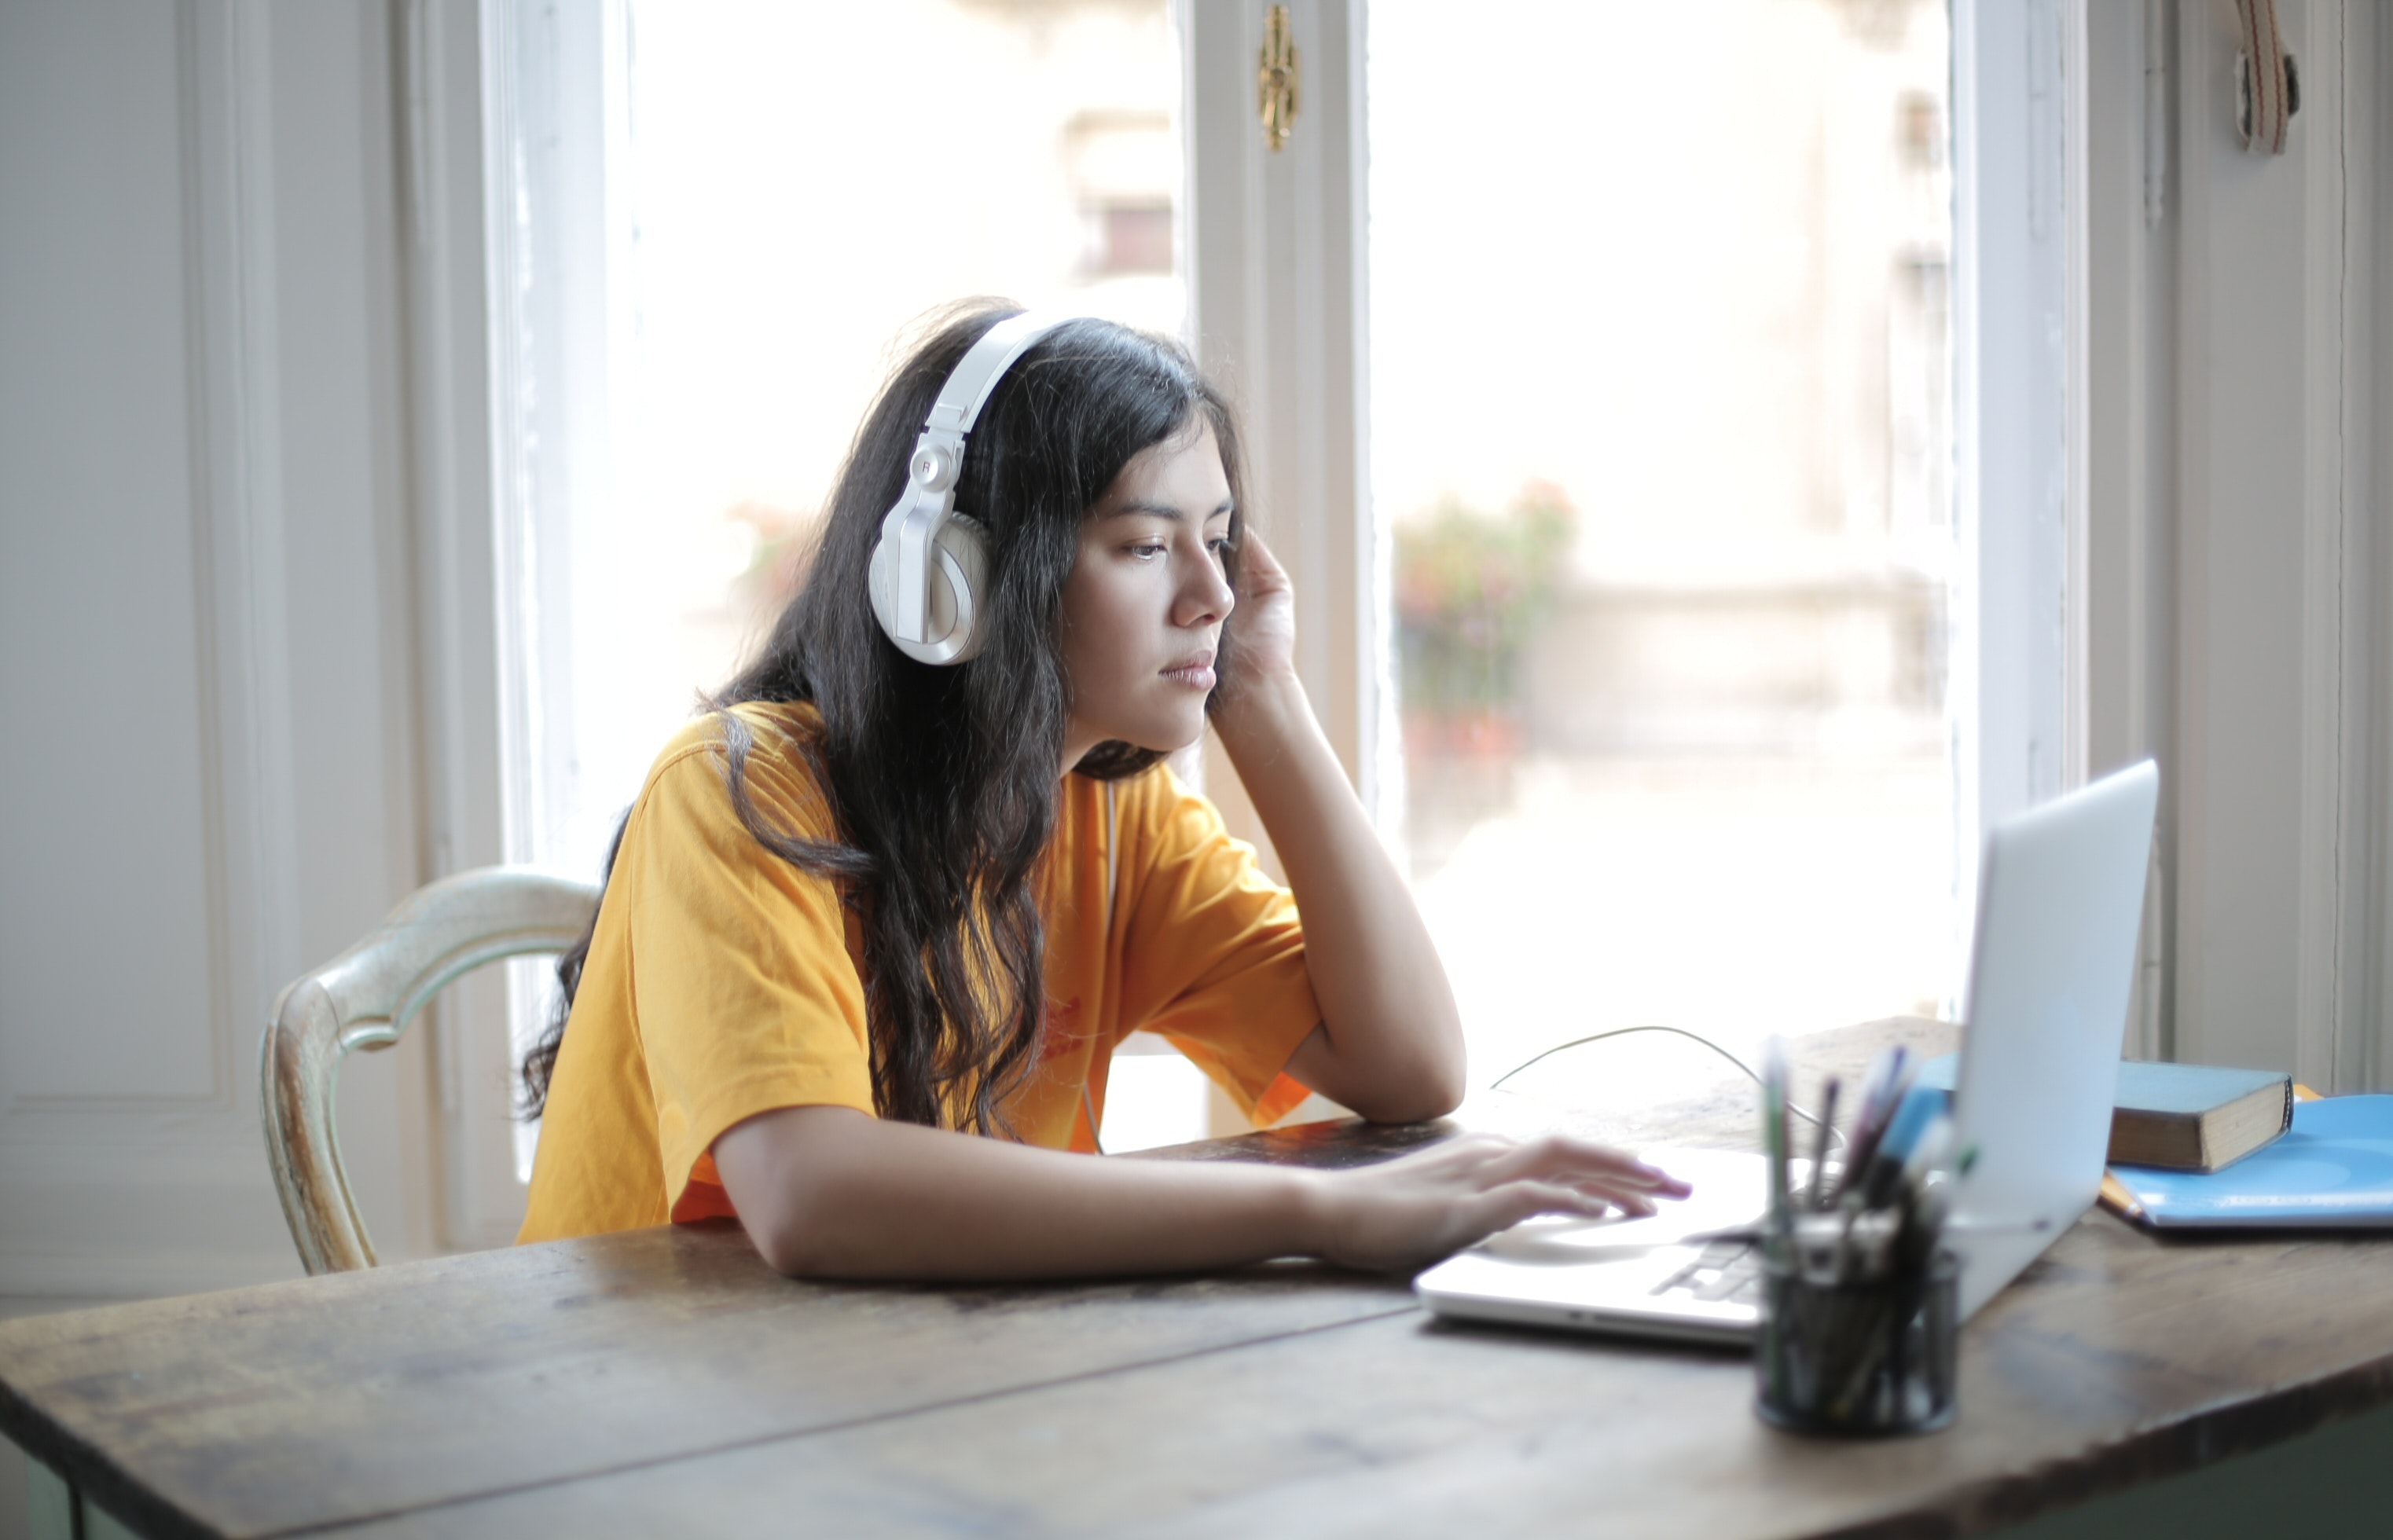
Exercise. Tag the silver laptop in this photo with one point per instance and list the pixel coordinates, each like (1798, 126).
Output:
(2060, 902)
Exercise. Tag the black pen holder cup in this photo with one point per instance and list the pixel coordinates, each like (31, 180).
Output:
(1858, 1358)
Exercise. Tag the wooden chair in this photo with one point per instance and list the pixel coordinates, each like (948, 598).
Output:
(364, 998)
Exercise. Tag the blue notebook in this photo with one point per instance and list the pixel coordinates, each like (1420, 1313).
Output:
(2333, 1170)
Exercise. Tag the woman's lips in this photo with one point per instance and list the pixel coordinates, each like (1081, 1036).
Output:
(1196, 672)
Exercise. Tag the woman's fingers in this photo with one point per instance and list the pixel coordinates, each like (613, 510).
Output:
(1261, 571)
(1502, 1208)
(1461, 1191)
(1564, 1158)
(1486, 1161)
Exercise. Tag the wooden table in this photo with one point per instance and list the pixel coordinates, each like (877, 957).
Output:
(664, 1381)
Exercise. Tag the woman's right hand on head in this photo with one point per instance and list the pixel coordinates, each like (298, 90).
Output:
(1408, 1212)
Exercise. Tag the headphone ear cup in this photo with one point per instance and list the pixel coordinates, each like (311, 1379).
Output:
(959, 579)
(961, 588)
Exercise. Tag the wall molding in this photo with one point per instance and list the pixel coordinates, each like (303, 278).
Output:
(2239, 534)
(281, 179)
(203, 69)
(2327, 523)
(451, 494)
(1279, 314)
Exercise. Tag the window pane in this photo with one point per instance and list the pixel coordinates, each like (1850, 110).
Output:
(1660, 437)
(788, 189)
(788, 216)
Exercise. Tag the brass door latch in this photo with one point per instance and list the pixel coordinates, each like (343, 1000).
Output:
(1276, 80)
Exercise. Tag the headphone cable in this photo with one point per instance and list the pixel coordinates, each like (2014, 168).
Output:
(1751, 1073)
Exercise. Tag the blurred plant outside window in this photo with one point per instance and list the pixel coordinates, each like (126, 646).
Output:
(1660, 443)
(1471, 591)
(777, 220)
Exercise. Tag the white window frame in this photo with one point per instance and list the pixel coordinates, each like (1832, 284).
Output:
(2240, 552)
(2083, 635)
(1275, 248)
(1280, 310)
(2016, 693)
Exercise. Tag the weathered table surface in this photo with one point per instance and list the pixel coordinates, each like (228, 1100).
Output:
(665, 1381)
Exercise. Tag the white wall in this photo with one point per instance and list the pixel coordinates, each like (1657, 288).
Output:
(212, 771)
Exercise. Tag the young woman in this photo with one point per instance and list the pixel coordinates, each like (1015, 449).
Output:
(874, 926)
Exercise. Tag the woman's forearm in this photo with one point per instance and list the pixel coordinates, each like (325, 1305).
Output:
(1390, 1042)
(832, 1193)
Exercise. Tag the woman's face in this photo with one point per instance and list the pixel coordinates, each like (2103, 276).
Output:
(1143, 605)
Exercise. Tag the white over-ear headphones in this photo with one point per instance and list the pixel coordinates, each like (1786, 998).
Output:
(931, 563)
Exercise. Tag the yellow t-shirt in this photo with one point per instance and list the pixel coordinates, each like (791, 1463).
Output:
(722, 981)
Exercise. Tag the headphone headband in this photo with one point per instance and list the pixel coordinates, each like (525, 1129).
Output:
(913, 524)
(976, 374)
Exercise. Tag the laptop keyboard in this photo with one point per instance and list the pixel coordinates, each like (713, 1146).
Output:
(1725, 1272)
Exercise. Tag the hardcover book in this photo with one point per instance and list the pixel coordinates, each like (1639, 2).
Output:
(2187, 1117)
(2196, 1118)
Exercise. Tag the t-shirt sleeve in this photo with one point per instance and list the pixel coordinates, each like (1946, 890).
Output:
(745, 994)
(1214, 956)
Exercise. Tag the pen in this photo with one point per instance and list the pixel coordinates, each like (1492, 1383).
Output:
(1818, 1197)
(1921, 1192)
(1881, 1093)
(1773, 1138)
(1865, 1118)
(1779, 1244)
(1932, 1151)
(1883, 1173)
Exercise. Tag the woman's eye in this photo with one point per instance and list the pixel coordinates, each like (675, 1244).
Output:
(1148, 550)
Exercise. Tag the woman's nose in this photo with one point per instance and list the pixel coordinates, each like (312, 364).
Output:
(1207, 596)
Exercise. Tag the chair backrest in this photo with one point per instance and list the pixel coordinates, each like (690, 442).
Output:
(364, 998)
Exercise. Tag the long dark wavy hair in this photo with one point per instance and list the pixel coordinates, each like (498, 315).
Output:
(943, 780)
